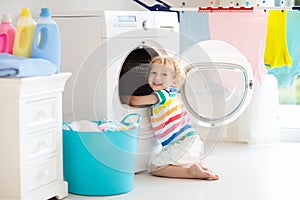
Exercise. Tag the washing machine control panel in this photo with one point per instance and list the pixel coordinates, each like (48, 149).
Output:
(125, 21)
(137, 23)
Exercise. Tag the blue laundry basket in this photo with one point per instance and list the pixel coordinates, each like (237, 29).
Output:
(100, 163)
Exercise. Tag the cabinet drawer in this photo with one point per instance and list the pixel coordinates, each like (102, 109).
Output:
(41, 112)
(41, 143)
(41, 174)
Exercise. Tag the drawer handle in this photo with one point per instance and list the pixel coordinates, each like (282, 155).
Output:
(41, 114)
(43, 174)
(42, 145)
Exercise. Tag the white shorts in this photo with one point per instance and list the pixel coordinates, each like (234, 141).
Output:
(182, 153)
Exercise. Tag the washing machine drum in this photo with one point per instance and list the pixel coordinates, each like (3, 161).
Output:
(219, 82)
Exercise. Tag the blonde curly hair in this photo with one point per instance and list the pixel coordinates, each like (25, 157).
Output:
(172, 64)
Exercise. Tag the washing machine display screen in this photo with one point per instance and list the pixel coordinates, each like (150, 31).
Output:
(126, 18)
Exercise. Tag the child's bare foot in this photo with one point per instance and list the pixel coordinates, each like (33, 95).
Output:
(203, 167)
(198, 172)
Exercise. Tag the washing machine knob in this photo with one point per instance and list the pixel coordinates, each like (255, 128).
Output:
(146, 25)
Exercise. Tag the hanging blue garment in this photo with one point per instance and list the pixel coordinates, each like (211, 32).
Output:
(193, 28)
(285, 75)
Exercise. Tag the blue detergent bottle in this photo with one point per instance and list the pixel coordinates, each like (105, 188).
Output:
(46, 42)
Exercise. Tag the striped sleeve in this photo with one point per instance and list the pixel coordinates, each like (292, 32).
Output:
(162, 95)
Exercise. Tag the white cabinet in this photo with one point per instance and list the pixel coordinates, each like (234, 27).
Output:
(31, 138)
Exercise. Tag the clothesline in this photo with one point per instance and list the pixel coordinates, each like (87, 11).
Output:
(162, 6)
(232, 9)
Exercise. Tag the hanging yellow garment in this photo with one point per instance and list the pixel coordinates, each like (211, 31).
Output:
(276, 52)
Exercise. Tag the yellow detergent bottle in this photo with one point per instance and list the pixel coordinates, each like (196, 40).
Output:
(24, 34)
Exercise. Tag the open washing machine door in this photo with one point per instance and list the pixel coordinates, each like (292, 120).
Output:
(219, 83)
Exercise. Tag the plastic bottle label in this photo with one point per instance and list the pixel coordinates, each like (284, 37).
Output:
(3, 43)
(47, 44)
(23, 42)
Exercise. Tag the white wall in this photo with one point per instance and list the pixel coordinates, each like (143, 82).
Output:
(13, 7)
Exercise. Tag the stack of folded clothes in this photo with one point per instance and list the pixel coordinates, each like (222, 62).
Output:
(16, 66)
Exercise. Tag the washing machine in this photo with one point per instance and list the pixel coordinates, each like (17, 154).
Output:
(107, 53)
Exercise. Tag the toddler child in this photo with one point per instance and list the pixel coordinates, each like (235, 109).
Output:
(181, 146)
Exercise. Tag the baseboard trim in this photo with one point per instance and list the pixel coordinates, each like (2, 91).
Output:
(290, 134)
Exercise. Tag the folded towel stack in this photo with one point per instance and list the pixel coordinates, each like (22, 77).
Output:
(16, 66)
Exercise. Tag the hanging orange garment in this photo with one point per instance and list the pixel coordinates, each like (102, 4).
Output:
(276, 52)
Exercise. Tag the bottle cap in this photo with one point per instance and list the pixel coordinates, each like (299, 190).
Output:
(25, 12)
(6, 18)
(45, 12)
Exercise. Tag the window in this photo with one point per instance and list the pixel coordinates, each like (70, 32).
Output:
(289, 111)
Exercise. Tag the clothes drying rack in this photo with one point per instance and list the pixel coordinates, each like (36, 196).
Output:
(162, 6)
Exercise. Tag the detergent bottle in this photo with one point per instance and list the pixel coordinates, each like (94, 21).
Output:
(24, 34)
(7, 34)
(46, 41)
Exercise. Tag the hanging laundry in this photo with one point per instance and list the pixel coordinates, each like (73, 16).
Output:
(276, 53)
(199, 32)
(286, 75)
(245, 31)
(98, 126)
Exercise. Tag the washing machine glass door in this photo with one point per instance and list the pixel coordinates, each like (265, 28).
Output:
(215, 93)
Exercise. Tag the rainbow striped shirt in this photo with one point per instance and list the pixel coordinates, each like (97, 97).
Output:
(169, 118)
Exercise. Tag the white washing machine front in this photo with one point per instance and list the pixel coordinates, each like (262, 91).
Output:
(130, 64)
